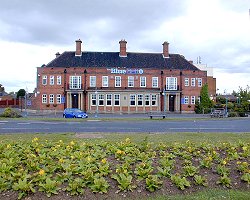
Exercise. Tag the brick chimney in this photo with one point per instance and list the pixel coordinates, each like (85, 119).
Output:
(123, 48)
(57, 54)
(78, 48)
(165, 50)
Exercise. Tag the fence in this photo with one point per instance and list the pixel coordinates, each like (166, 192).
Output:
(14, 103)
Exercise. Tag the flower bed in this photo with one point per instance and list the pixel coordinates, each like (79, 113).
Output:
(121, 169)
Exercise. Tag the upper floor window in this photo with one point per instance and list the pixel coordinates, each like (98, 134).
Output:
(75, 82)
(44, 98)
(131, 81)
(199, 82)
(171, 83)
(51, 80)
(92, 81)
(154, 82)
(193, 82)
(44, 81)
(105, 81)
(58, 80)
(143, 81)
(186, 81)
(118, 81)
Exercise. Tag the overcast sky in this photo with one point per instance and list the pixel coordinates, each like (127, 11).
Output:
(32, 31)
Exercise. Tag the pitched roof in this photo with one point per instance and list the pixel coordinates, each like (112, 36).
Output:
(112, 59)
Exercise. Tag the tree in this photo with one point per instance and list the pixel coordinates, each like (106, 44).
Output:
(244, 100)
(21, 93)
(1, 88)
(205, 103)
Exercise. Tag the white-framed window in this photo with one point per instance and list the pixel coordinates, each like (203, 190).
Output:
(58, 80)
(199, 99)
(51, 80)
(139, 99)
(105, 81)
(186, 81)
(118, 81)
(75, 82)
(92, 81)
(44, 80)
(154, 100)
(186, 99)
(117, 99)
(58, 99)
(44, 98)
(132, 99)
(93, 99)
(171, 83)
(101, 99)
(154, 82)
(142, 81)
(147, 100)
(108, 99)
(199, 82)
(192, 99)
(51, 98)
(131, 81)
(193, 82)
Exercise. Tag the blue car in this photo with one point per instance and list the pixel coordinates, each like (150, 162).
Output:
(74, 113)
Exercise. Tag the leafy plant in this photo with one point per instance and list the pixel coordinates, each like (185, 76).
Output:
(224, 180)
(49, 187)
(143, 170)
(124, 180)
(222, 170)
(153, 183)
(23, 186)
(164, 171)
(246, 177)
(199, 180)
(100, 185)
(190, 170)
(76, 186)
(180, 182)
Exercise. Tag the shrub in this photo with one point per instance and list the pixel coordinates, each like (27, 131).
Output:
(233, 114)
(10, 113)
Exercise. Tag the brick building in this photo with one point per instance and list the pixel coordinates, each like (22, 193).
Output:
(119, 82)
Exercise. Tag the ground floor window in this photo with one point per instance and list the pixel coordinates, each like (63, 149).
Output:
(117, 99)
(186, 100)
(132, 99)
(51, 98)
(154, 100)
(44, 98)
(139, 99)
(93, 99)
(147, 100)
(58, 99)
(101, 99)
(192, 99)
(109, 99)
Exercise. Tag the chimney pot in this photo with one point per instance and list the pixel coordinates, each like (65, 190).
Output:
(78, 47)
(165, 50)
(123, 48)
(57, 54)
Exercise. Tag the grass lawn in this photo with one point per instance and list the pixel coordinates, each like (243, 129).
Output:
(125, 166)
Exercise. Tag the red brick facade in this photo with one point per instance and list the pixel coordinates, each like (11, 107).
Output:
(111, 89)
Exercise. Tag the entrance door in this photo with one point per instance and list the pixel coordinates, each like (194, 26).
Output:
(74, 100)
(171, 103)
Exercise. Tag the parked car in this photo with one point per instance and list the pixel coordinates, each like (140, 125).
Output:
(74, 113)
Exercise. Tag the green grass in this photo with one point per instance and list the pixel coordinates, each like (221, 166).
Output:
(215, 194)
(167, 138)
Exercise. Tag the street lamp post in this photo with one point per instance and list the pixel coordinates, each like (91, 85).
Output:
(164, 100)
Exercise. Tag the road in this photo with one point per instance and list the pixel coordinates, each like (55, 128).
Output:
(124, 126)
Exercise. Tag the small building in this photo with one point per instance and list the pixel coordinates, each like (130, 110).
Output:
(119, 82)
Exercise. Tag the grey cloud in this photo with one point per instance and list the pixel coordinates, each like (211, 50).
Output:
(57, 21)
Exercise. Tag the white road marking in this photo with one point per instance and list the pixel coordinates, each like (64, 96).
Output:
(3, 121)
(22, 128)
(23, 123)
(198, 128)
